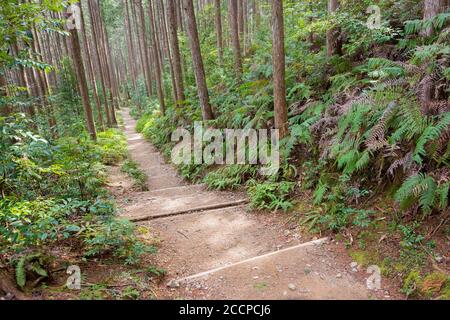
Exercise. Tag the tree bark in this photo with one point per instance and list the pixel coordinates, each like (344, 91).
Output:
(233, 21)
(199, 70)
(431, 9)
(143, 41)
(218, 20)
(333, 5)
(130, 47)
(278, 60)
(98, 58)
(156, 53)
(81, 75)
(6, 110)
(88, 55)
(175, 52)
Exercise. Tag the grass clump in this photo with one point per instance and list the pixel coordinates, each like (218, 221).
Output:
(131, 168)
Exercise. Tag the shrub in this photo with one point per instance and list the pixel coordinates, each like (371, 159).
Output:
(271, 195)
(113, 146)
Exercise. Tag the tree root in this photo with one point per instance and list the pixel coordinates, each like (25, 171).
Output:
(7, 285)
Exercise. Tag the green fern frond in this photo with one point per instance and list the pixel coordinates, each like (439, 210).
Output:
(405, 194)
(442, 195)
(21, 276)
(363, 161)
(320, 191)
(431, 133)
(428, 196)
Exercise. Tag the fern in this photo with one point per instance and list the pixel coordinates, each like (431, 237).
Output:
(431, 133)
(405, 195)
(442, 194)
(320, 191)
(424, 189)
(21, 276)
(428, 196)
(24, 263)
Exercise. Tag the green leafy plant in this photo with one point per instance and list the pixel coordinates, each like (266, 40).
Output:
(271, 195)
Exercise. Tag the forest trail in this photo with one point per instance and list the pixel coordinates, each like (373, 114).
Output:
(214, 247)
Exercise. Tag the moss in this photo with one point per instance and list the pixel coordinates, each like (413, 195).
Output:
(445, 292)
(435, 284)
(365, 258)
(411, 283)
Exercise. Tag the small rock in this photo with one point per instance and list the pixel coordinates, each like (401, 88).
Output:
(339, 275)
(284, 293)
(439, 259)
(354, 270)
(255, 277)
(173, 284)
(354, 265)
(255, 268)
(292, 287)
(9, 296)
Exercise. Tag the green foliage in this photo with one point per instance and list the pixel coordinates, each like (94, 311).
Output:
(113, 146)
(230, 177)
(32, 264)
(117, 237)
(271, 195)
(424, 189)
(140, 178)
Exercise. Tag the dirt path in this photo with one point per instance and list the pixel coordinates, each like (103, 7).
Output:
(214, 247)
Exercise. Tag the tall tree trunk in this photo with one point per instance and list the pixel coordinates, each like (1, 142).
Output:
(157, 58)
(431, 9)
(88, 55)
(199, 70)
(332, 34)
(143, 41)
(278, 60)
(6, 110)
(79, 69)
(218, 16)
(179, 15)
(97, 54)
(175, 52)
(130, 46)
(233, 21)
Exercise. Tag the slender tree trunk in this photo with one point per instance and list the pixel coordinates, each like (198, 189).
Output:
(143, 42)
(97, 55)
(175, 51)
(79, 68)
(6, 110)
(431, 9)
(194, 43)
(87, 53)
(233, 21)
(218, 16)
(332, 37)
(130, 46)
(256, 15)
(179, 15)
(278, 60)
(156, 52)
